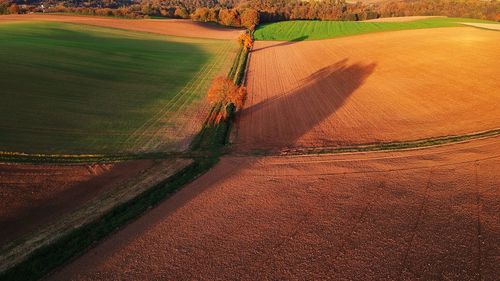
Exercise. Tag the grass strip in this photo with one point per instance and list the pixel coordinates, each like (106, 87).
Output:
(46, 259)
(392, 145)
(19, 157)
(240, 72)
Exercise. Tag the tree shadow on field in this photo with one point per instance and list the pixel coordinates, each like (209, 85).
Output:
(288, 116)
(285, 43)
(291, 115)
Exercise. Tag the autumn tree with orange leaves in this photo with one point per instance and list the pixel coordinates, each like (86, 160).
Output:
(222, 94)
(246, 41)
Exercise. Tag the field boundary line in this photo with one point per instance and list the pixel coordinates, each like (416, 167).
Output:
(374, 147)
(22, 157)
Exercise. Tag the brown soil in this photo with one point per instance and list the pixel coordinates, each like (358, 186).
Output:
(35, 195)
(403, 19)
(184, 28)
(492, 26)
(393, 86)
(428, 214)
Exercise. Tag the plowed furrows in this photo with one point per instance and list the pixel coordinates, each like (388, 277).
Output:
(368, 89)
(364, 216)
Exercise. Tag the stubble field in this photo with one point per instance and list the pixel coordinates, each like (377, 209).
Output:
(375, 88)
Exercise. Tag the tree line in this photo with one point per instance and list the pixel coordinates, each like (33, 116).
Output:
(246, 13)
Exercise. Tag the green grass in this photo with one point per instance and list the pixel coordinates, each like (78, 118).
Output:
(313, 30)
(73, 89)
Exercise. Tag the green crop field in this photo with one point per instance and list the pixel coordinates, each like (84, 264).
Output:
(75, 89)
(312, 30)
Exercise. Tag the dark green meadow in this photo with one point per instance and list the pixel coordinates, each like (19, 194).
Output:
(67, 88)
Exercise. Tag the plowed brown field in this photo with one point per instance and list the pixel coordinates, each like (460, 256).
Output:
(34, 195)
(184, 28)
(383, 87)
(428, 214)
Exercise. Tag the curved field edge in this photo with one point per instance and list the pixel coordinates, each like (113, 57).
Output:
(395, 146)
(300, 30)
(217, 137)
(120, 86)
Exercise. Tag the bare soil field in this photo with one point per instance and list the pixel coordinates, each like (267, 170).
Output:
(412, 215)
(185, 28)
(34, 195)
(128, 186)
(406, 85)
(403, 19)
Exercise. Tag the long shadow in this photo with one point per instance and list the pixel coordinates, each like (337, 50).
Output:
(286, 43)
(296, 112)
(319, 96)
(28, 217)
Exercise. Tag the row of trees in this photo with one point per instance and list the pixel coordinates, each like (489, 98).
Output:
(227, 95)
(248, 17)
(276, 10)
(247, 12)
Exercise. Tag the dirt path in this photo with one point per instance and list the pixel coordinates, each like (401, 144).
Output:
(491, 26)
(35, 195)
(186, 28)
(420, 214)
(373, 88)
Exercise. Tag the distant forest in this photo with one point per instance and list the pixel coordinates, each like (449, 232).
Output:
(248, 13)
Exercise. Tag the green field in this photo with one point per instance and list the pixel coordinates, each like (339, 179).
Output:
(312, 30)
(74, 89)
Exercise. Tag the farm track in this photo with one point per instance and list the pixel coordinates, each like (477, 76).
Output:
(338, 93)
(483, 25)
